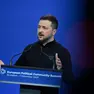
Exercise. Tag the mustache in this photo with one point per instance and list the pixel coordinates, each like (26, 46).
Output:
(40, 34)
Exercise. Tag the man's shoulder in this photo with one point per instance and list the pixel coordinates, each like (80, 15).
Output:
(31, 45)
(62, 48)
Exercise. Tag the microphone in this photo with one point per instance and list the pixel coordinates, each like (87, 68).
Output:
(50, 57)
(18, 54)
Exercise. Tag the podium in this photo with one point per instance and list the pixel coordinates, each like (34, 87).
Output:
(31, 78)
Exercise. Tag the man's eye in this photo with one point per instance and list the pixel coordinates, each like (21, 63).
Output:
(45, 27)
(38, 26)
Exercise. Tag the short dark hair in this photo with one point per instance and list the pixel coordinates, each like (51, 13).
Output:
(52, 19)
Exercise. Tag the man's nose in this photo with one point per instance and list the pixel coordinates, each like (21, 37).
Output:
(40, 30)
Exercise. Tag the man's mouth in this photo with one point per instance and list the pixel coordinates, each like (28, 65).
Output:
(40, 35)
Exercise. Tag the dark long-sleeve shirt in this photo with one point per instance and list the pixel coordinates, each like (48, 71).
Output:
(39, 56)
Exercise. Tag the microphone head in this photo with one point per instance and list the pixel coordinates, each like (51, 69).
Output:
(51, 57)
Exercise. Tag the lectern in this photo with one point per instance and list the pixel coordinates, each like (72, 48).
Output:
(35, 78)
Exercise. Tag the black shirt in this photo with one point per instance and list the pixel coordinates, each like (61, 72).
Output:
(39, 56)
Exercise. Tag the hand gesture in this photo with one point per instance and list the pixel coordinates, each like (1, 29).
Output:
(58, 62)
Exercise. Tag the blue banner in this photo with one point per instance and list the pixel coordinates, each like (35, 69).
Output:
(36, 77)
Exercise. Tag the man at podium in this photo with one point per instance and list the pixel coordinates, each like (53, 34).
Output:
(47, 53)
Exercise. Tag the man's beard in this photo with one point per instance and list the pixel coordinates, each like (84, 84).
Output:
(44, 40)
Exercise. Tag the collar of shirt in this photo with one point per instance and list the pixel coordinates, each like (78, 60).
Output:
(49, 44)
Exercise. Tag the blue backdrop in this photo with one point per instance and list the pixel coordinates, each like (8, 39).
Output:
(18, 28)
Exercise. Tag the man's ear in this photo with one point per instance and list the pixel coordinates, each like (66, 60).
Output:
(54, 31)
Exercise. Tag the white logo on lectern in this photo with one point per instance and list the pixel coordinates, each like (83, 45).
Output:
(3, 71)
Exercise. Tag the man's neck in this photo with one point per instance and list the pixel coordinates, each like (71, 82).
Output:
(52, 39)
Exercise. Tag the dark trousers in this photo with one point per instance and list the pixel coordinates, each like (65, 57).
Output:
(49, 91)
(25, 89)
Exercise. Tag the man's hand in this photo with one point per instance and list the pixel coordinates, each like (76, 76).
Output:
(58, 62)
(1, 63)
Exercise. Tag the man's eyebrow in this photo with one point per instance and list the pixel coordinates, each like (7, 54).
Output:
(42, 25)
